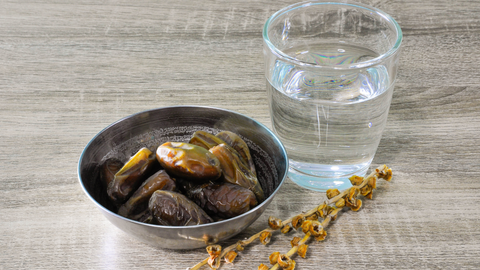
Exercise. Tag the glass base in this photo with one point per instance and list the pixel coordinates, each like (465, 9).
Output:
(323, 182)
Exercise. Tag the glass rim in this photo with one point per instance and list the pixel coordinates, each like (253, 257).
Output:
(381, 58)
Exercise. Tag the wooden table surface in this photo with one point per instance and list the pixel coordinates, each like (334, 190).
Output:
(70, 68)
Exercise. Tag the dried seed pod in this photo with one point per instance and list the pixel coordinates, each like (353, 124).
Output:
(205, 139)
(137, 205)
(365, 190)
(189, 161)
(389, 175)
(273, 258)
(285, 262)
(332, 193)
(131, 176)
(322, 236)
(297, 221)
(214, 262)
(321, 210)
(312, 217)
(214, 250)
(385, 174)
(235, 171)
(274, 223)
(357, 206)
(306, 225)
(356, 180)
(340, 203)
(291, 266)
(265, 237)
(174, 209)
(286, 229)
(295, 241)
(351, 197)
(240, 246)
(302, 250)
(316, 228)
(240, 146)
(331, 209)
(262, 267)
(369, 195)
(230, 256)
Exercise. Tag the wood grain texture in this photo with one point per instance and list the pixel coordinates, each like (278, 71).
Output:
(70, 68)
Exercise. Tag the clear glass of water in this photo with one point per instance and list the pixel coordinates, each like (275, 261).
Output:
(330, 69)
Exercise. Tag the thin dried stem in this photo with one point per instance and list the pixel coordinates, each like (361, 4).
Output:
(198, 265)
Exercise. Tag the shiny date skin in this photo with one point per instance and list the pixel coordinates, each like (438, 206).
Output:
(240, 146)
(235, 171)
(174, 209)
(108, 170)
(137, 205)
(208, 141)
(188, 161)
(205, 139)
(131, 176)
(221, 199)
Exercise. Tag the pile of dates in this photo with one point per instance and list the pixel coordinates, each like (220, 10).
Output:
(210, 178)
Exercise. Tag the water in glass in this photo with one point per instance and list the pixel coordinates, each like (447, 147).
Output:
(330, 122)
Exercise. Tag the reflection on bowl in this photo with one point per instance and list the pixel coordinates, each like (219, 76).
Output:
(154, 127)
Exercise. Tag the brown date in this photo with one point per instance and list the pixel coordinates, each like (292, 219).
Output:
(205, 139)
(174, 209)
(240, 146)
(222, 199)
(108, 170)
(188, 161)
(235, 171)
(131, 176)
(137, 206)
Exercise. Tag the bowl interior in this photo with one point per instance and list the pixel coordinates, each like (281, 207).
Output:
(152, 128)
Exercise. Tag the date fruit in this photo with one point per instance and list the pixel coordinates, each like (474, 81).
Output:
(188, 161)
(137, 206)
(174, 209)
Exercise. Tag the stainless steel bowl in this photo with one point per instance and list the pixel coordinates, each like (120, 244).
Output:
(154, 127)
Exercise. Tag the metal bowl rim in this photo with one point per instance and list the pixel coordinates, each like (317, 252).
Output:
(266, 201)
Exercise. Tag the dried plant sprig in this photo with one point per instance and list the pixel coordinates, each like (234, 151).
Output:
(314, 229)
(239, 246)
(286, 229)
(265, 237)
(262, 267)
(273, 258)
(329, 213)
(274, 223)
(230, 256)
(294, 249)
(332, 193)
(295, 241)
(302, 250)
(327, 210)
(286, 262)
(214, 251)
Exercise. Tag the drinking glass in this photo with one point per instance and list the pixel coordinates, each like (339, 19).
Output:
(330, 70)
